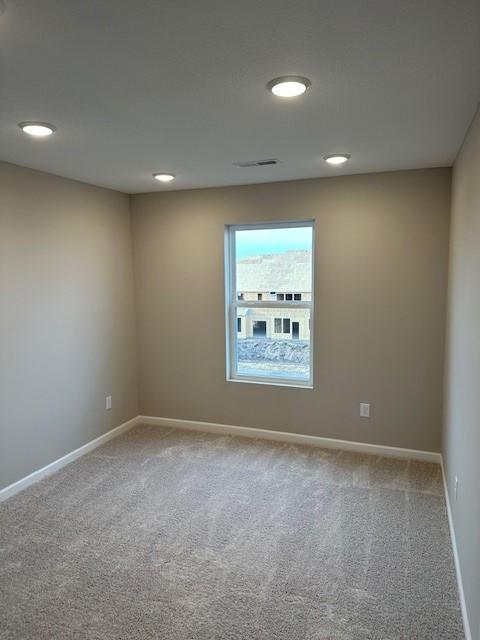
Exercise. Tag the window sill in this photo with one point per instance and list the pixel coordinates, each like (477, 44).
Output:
(271, 383)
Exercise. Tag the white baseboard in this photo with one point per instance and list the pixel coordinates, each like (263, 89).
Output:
(23, 483)
(294, 438)
(210, 427)
(461, 593)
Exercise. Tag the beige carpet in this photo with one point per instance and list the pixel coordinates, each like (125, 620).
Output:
(179, 535)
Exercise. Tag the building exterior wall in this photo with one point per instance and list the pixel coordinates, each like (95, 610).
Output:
(248, 316)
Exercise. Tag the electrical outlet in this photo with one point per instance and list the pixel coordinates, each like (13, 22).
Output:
(108, 403)
(456, 487)
(364, 410)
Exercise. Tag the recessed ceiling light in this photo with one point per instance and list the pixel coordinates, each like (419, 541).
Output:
(337, 158)
(37, 129)
(164, 177)
(288, 86)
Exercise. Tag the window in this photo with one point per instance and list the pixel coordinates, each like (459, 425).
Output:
(259, 328)
(296, 330)
(268, 334)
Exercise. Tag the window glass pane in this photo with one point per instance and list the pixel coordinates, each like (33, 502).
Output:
(275, 263)
(263, 351)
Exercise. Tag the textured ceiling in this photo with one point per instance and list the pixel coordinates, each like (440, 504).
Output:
(179, 85)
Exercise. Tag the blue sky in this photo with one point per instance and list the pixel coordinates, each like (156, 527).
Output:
(254, 242)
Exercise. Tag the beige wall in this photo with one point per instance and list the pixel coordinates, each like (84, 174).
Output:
(381, 269)
(461, 445)
(67, 335)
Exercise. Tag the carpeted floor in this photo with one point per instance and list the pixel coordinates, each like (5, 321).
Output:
(178, 535)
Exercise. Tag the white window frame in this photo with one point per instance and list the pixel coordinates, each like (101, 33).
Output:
(232, 305)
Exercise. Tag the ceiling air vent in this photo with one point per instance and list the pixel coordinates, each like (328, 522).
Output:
(256, 163)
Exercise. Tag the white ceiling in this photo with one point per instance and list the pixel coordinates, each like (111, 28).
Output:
(179, 85)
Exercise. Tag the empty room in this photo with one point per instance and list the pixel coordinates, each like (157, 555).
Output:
(239, 320)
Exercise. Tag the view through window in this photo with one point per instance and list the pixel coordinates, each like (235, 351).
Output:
(270, 302)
